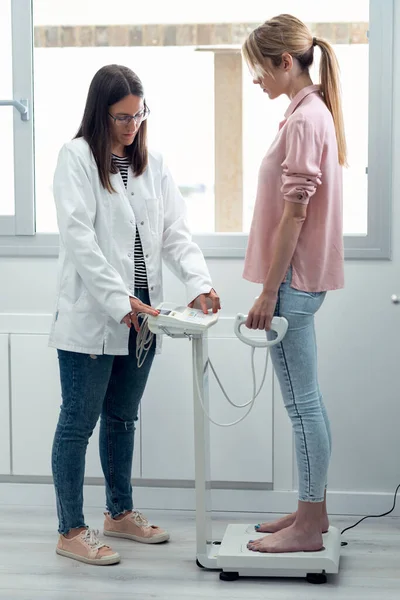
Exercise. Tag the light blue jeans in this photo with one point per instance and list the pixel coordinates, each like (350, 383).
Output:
(295, 364)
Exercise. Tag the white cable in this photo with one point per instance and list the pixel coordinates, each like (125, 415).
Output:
(144, 341)
(250, 403)
(254, 380)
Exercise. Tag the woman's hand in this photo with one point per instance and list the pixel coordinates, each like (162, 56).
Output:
(261, 314)
(202, 300)
(138, 307)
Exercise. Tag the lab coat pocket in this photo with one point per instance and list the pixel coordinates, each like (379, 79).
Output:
(72, 292)
(87, 303)
(82, 300)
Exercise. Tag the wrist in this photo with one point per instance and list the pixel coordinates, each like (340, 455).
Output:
(269, 292)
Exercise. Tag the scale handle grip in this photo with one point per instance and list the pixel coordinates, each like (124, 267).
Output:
(278, 324)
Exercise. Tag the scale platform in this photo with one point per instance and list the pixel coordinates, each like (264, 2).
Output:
(235, 560)
(231, 556)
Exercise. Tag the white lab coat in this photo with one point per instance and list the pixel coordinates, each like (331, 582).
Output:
(97, 239)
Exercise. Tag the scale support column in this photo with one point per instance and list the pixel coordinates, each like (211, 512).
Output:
(204, 547)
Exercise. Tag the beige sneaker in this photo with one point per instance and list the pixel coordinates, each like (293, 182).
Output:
(134, 526)
(87, 548)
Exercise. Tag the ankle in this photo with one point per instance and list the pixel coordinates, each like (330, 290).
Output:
(121, 516)
(74, 532)
(308, 527)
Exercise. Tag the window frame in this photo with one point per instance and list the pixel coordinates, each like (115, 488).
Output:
(17, 233)
(22, 223)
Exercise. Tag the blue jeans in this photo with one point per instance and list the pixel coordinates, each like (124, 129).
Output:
(295, 364)
(109, 387)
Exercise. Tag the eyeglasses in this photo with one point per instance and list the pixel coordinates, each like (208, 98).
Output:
(126, 119)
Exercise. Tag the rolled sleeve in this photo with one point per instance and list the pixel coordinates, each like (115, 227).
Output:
(302, 164)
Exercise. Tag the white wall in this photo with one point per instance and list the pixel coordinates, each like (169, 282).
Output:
(164, 444)
(358, 332)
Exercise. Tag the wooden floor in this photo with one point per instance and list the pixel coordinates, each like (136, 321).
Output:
(30, 569)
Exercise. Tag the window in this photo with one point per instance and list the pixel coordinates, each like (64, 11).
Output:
(6, 112)
(177, 95)
(211, 123)
(17, 199)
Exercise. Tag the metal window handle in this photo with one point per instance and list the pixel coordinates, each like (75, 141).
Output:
(395, 299)
(22, 107)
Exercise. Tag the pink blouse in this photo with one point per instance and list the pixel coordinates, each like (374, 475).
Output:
(301, 166)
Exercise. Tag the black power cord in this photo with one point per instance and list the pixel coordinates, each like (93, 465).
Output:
(373, 516)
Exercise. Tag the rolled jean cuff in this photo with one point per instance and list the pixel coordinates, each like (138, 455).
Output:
(117, 512)
(66, 530)
(312, 500)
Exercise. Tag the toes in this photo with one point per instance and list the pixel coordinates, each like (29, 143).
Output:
(260, 540)
(257, 548)
(253, 546)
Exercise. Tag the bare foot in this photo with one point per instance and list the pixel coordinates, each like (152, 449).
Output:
(291, 539)
(287, 521)
(278, 525)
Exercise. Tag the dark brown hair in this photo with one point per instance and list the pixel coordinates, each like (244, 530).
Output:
(111, 84)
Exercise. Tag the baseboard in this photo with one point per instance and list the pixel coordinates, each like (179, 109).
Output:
(238, 500)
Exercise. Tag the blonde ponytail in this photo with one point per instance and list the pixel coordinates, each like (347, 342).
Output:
(286, 33)
(330, 90)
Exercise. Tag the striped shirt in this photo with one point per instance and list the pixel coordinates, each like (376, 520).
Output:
(122, 165)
